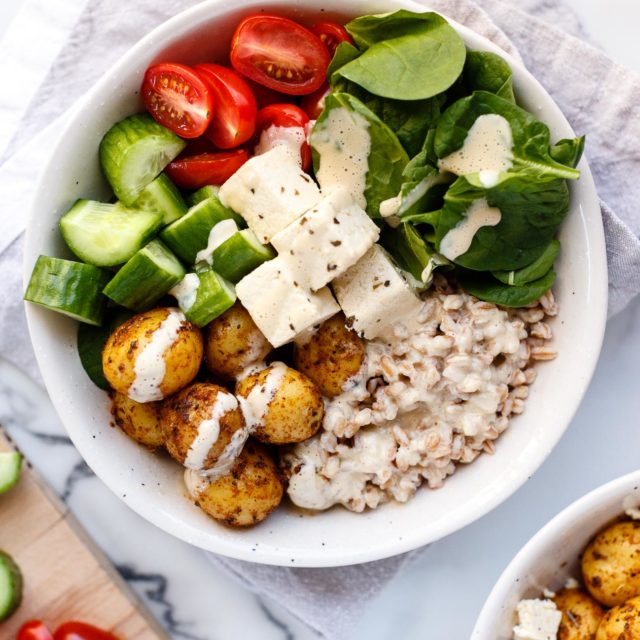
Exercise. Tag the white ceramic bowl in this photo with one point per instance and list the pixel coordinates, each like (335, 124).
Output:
(553, 554)
(153, 487)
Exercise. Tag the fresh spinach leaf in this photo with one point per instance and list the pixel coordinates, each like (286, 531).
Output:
(406, 55)
(486, 71)
(530, 136)
(533, 271)
(568, 151)
(345, 52)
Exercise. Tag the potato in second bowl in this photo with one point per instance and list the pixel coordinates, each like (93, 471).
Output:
(140, 421)
(621, 623)
(581, 615)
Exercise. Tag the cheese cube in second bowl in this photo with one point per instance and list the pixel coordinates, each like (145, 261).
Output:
(279, 305)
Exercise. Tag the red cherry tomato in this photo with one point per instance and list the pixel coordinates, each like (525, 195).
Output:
(34, 630)
(285, 115)
(193, 172)
(313, 104)
(265, 96)
(235, 118)
(177, 98)
(74, 630)
(280, 54)
(331, 34)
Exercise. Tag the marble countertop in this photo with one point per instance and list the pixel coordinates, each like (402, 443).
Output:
(440, 595)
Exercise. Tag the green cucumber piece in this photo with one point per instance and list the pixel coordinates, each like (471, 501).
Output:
(10, 586)
(212, 297)
(107, 235)
(204, 193)
(71, 288)
(239, 255)
(162, 196)
(190, 234)
(145, 278)
(10, 464)
(134, 151)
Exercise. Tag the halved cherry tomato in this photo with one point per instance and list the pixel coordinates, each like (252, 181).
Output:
(280, 54)
(235, 118)
(75, 630)
(285, 115)
(265, 96)
(193, 172)
(34, 630)
(177, 98)
(332, 34)
(313, 104)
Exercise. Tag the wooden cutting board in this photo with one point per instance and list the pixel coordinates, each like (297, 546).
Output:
(66, 576)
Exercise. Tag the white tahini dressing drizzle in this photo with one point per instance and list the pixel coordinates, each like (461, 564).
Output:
(254, 407)
(219, 233)
(186, 291)
(458, 240)
(487, 147)
(209, 431)
(150, 366)
(343, 143)
(291, 138)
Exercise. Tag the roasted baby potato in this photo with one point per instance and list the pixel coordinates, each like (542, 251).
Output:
(281, 404)
(248, 494)
(611, 564)
(140, 421)
(331, 356)
(581, 615)
(198, 424)
(621, 623)
(233, 342)
(182, 356)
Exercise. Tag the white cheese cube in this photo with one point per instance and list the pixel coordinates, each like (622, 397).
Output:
(537, 620)
(375, 296)
(270, 191)
(323, 243)
(280, 307)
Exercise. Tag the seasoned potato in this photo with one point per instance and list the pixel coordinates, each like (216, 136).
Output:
(281, 404)
(331, 356)
(233, 342)
(611, 564)
(198, 424)
(140, 421)
(621, 623)
(145, 371)
(248, 494)
(581, 615)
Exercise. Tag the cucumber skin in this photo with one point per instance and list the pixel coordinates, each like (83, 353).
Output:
(170, 204)
(54, 278)
(16, 463)
(203, 311)
(204, 193)
(233, 259)
(12, 571)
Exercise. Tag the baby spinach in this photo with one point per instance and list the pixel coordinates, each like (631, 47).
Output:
(345, 52)
(530, 136)
(568, 151)
(486, 71)
(533, 271)
(406, 55)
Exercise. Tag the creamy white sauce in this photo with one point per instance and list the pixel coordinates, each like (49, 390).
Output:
(390, 206)
(219, 233)
(255, 406)
(631, 506)
(150, 366)
(344, 144)
(487, 147)
(458, 240)
(186, 291)
(292, 138)
(209, 431)
(489, 178)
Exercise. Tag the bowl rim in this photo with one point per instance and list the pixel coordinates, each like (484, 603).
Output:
(597, 292)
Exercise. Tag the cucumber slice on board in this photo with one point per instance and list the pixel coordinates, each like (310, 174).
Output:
(202, 194)
(72, 288)
(145, 278)
(162, 196)
(190, 234)
(239, 255)
(134, 151)
(10, 586)
(107, 235)
(10, 464)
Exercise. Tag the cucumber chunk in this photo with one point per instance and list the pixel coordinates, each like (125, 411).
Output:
(204, 193)
(162, 196)
(10, 586)
(10, 464)
(145, 278)
(239, 255)
(204, 295)
(68, 287)
(190, 234)
(134, 151)
(107, 235)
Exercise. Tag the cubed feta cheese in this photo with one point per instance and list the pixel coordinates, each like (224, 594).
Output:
(270, 191)
(375, 295)
(323, 243)
(537, 620)
(279, 305)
